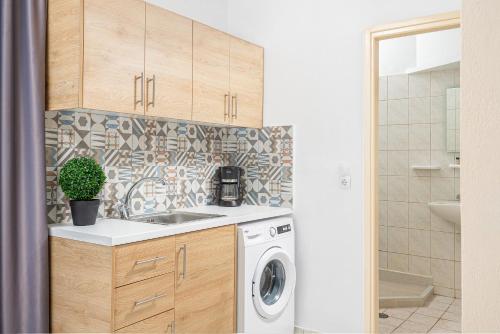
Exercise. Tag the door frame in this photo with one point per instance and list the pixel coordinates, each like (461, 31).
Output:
(370, 181)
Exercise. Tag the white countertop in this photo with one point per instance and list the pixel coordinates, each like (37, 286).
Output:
(112, 232)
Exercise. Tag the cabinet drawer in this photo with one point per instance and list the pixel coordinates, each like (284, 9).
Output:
(141, 260)
(161, 323)
(141, 300)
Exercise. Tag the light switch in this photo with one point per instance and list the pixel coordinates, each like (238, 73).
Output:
(345, 182)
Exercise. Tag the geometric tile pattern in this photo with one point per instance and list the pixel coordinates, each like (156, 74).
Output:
(186, 155)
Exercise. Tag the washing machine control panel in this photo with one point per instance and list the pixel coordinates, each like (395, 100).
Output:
(284, 228)
(272, 231)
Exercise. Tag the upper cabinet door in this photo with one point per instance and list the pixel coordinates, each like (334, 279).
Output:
(210, 74)
(168, 64)
(113, 62)
(246, 77)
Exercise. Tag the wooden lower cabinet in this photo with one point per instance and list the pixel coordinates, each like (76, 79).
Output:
(205, 281)
(161, 323)
(136, 288)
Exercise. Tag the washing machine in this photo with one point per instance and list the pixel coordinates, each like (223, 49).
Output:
(266, 276)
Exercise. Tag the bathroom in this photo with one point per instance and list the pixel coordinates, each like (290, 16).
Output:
(419, 177)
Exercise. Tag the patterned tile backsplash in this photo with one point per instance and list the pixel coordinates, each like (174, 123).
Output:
(186, 155)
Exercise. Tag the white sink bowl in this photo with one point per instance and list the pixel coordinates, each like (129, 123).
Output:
(448, 210)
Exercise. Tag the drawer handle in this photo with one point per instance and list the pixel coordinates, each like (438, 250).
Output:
(155, 259)
(150, 299)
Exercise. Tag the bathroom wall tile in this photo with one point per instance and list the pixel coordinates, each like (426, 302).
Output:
(382, 210)
(458, 248)
(382, 113)
(420, 110)
(397, 163)
(382, 88)
(419, 216)
(383, 188)
(397, 214)
(397, 240)
(382, 163)
(442, 245)
(419, 84)
(440, 81)
(442, 188)
(397, 188)
(397, 137)
(397, 86)
(420, 265)
(458, 275)
(419, 242)
(438, 136)
(420, 137)
(443, 272)
(398, 262)
(456, 188)
(382, 259)
(382, 137)
(397, 111)
(438, 109)
(443, 159)
(382, 238)
(420, 189)
(440, 225)
(419, 158)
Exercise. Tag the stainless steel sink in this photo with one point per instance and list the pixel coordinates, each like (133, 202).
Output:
(171, 218)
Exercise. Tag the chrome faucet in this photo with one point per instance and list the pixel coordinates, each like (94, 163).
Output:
(124, 205)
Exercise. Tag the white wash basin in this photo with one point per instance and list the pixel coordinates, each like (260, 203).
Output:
(448, 210)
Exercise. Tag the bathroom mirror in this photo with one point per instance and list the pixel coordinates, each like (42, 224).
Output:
(453, 120)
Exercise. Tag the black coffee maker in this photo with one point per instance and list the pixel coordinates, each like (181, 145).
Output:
(229, 190)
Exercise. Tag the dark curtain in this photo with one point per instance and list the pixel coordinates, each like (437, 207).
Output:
(24, 289)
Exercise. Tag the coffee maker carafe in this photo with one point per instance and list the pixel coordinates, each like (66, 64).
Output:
(229, 191)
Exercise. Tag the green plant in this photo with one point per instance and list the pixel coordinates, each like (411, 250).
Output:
(81, 179)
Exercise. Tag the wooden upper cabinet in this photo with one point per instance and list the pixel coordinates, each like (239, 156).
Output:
(129, 56)
(205, 281)
(95, 54)
(168, 64)
(246, 83)
(210, 74)
(114, 55)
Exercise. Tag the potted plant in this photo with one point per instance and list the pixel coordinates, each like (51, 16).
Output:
(81, 179)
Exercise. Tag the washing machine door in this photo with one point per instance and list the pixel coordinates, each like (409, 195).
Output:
(273, 282)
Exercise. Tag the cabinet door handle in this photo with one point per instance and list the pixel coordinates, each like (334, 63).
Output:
(183, 274)
(234, 102)
(141, 101)
(149, 299)
(152, 103)
(155, 259)
(226, 106)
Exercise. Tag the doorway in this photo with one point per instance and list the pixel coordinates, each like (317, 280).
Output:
(420, 167)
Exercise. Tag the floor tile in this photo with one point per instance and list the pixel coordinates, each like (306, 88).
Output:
(412, 327)
(443, 299)
(384, 329)
(391, 321)
(430, 312)
(423, 319)
(400, 313)
(455, 309)
(446, 324)
(451, 316)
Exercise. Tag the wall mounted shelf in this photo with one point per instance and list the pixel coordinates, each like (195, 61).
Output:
(426, 167)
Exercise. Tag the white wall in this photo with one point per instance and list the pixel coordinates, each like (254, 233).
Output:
(210, 12)
(438, 48)
(314, 53)
(480, 121)
(415, 53)
(397, 55)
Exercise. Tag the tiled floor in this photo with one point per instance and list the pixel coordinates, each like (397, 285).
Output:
(439, 315)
